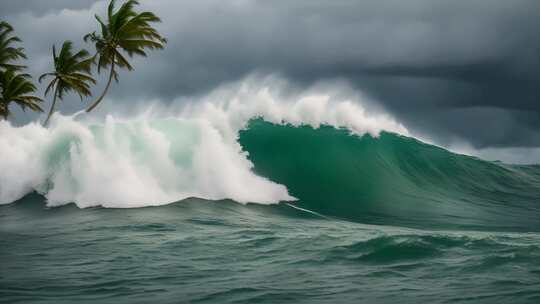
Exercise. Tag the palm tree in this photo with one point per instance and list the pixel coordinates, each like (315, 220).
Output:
(8, 52)
(72, 72)
(15, 88)
(125, 30)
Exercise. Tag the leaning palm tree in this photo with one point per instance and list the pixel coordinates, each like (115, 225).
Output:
(8, 52)
(126, 31)
(15, 89)
(72, 72)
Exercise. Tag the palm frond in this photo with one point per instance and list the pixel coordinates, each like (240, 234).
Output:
(50, 86)
(8, 52)
(16, 89)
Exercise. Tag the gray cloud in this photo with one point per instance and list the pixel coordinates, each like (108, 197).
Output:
(467, 70)
(40, 7)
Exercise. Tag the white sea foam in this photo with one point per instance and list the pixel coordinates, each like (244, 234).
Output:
(154, 159)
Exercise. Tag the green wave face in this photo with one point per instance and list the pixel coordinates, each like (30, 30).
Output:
(393, 179)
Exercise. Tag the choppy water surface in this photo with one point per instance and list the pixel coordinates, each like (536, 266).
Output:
(223, 252)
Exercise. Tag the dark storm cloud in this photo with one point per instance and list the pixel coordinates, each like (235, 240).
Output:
(39, 7)
(465, 69)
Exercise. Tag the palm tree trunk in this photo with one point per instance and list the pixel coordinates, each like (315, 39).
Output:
(53, 106)
(3, 112)
(105, 91)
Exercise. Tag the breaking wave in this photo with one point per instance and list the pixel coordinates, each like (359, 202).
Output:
(325, 155)
(149, 160)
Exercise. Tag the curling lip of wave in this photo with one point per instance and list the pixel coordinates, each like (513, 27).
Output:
(152, 161)
(393, 179)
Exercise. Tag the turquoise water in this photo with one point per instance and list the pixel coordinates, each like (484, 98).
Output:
(378, 220)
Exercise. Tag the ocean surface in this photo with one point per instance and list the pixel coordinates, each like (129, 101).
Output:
(267, 213)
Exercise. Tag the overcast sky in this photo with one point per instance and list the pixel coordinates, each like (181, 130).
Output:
(455, 70)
